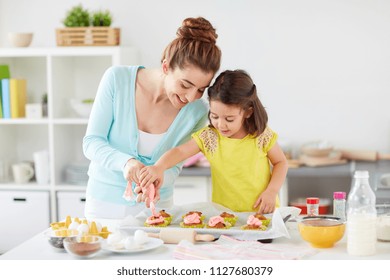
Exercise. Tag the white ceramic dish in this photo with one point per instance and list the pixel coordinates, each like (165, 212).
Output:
(153, 243)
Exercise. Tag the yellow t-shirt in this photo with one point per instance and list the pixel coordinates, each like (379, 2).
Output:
(240, 169)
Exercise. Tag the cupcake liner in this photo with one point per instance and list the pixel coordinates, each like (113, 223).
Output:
(261, 228)
(231, 220)
(191, 226)
(166, 223)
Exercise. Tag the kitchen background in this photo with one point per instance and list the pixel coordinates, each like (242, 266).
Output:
(322, 67)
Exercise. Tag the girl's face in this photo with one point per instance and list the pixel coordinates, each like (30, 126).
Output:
(228, 119)
(183, 86)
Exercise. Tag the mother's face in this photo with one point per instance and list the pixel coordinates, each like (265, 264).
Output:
(185, 85)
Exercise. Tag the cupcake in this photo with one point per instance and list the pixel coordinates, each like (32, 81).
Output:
(166, 216)
(193, 219)
(202, 217)
(158, 221)
(230, 218)
(218, 222)
(162, 219)
(256, 222)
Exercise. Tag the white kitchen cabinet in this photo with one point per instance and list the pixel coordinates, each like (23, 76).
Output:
(23, 214)
(63, 73)
(192, 189)
(70, 204)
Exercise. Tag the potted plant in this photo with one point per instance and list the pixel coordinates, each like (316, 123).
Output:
(44, 104)
(83, 28)
(101, 18)
(77, 17)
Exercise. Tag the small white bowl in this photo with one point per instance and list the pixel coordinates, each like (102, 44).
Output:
(317, 149)
(20, 40)
(83, 109)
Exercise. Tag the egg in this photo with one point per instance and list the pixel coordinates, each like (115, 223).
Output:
(83, 229)
(73, 225)
(140, 237)
(114, 238)
(130, 243)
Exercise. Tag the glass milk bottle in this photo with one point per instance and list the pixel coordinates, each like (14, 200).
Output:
(361, 217)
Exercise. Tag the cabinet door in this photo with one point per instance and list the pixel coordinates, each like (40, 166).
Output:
(191, 189)
(70, 204)
(23, 214)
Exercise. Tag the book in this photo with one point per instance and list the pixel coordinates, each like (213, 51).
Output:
(4, 72)
(1, 103)
(18, 97)
(5, 98)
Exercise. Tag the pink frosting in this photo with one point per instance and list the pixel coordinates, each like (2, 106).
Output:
(215, 220)
(253, 221)
(158, 220)
(192, 219)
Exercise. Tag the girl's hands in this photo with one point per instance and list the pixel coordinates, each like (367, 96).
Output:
(151, 175)
(148, 176)
(266, 202)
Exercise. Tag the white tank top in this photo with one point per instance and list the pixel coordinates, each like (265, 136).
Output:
(147, 142)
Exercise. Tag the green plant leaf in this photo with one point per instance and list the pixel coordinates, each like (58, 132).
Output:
(77, 17)
(101, 18)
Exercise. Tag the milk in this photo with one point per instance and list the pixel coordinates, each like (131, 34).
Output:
(361, 234)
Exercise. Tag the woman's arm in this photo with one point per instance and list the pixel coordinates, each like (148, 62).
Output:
(266, 200)
(95, 142)
(155, 173)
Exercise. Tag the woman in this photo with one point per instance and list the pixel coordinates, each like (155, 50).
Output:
(139, 114)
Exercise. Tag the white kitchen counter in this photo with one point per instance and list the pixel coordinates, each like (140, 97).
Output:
(38, 248)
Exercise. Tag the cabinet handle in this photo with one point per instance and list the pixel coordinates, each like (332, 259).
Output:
(82, 199)
(20, 199)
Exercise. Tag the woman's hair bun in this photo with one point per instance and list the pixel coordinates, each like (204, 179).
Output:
(199, 29)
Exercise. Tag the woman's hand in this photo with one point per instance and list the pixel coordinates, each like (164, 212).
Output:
(266, 202)
(147, 194)
(132, 170)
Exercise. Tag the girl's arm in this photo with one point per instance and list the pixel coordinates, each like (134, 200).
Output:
(267, 199)
(155, 173)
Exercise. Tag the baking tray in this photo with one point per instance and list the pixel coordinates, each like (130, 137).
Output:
(276, 229)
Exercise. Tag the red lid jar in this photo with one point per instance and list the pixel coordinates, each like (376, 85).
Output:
(300, 203)
(312, 200)
(312, 204)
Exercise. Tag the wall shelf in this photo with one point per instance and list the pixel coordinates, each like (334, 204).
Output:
(62, 73)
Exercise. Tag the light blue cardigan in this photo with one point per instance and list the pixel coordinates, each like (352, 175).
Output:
(112, 135)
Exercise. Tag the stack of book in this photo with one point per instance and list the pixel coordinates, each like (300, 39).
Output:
(13, 95)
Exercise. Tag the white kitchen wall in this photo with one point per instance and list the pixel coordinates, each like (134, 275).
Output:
(322, 67)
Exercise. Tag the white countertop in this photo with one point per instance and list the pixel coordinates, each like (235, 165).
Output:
(38, 248)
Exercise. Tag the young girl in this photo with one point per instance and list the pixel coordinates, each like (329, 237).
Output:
(239, 145)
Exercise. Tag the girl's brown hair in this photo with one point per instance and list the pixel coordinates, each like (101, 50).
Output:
(195, 45)
(237, 88)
